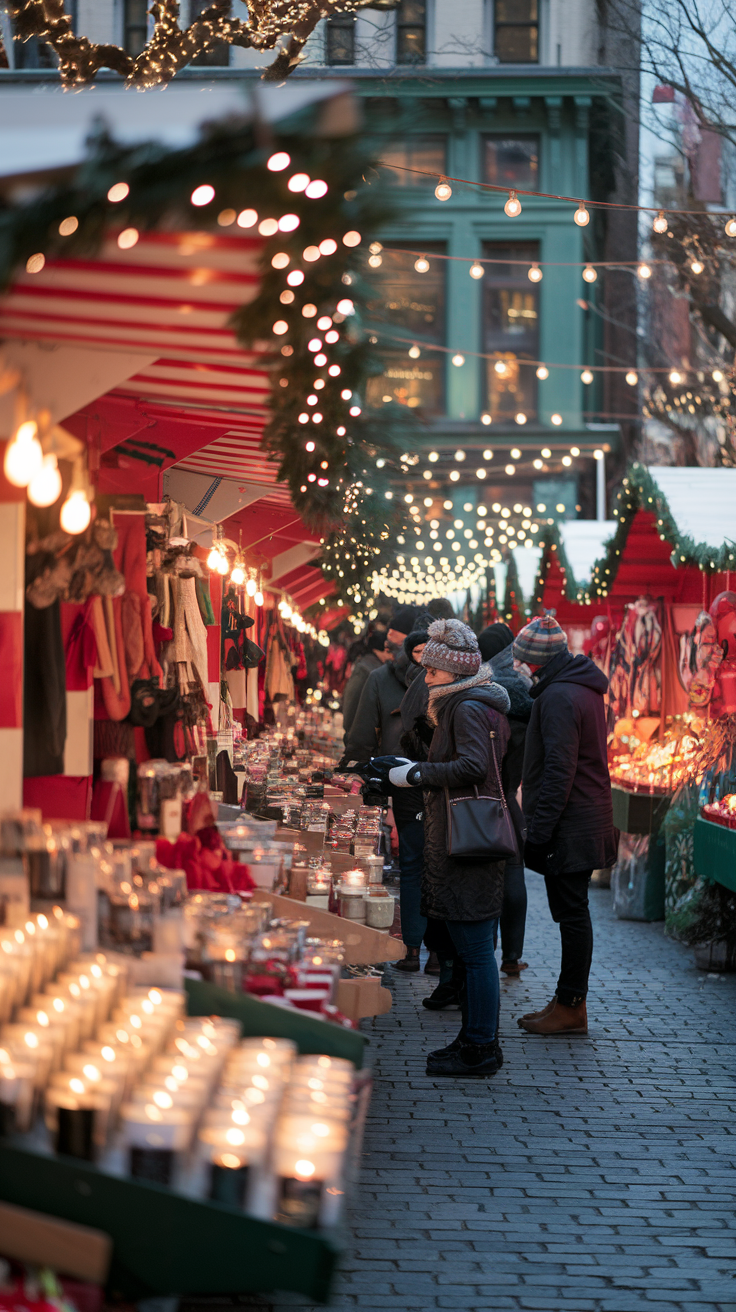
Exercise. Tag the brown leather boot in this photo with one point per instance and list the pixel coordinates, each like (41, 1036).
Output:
(559, 1020)
(536, 1015)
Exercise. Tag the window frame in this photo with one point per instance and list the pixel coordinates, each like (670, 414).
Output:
(510, 136)
(403, 26)
(396, 353)
(517, 250)
(502, 24)
(129, 26)
(408, 143)
(340, 23)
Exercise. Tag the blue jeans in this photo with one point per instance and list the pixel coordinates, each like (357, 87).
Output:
(411, 868)
(473, 941)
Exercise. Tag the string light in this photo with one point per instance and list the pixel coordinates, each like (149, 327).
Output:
(203, 195)
(458, 359)
(128, 238)
(632, 378)
(35, 263)
(45, 487)
(414, 352)
(118, 192)
(486, 419)
(697, 266)
(660, 223)
(247, 218)
(589, 273)
(68, 226)
(278, 162)
(535, 274)
(476, 270)
(23, 455)
(501, 368)
(581, 215)
(730, 229)
(586, 376)
(717, 376)
(443, 190)
(422, 264)
(644, 272)
(75, 513)
(675, 376)
(542, 372)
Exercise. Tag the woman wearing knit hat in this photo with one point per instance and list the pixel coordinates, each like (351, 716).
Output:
(567, 806)
(465, 707)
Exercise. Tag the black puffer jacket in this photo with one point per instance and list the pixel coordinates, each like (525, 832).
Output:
(376, 727)
(460, 754)
(520, 709)
(567, 788)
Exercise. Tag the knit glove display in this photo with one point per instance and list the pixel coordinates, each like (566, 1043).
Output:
(405, 776)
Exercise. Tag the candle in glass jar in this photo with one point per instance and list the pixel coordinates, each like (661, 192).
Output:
(154, 1138)
(73, 1113)
(16, 1095)
(307, 1159)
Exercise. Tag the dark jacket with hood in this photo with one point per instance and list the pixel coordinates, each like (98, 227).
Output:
(460, 754)
(376, 726)
(567, 788)
(520, 710)
(364, 666)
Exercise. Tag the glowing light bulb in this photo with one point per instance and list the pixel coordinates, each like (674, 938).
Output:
(316, 190)
(535, 274)
(222, 564)
(213, 558)
(458, 360)
(510, 469)
(644, 272)
(660, 223)
(717, 376)
(581, 215)
(476, 270)
(501, 368)
(45, 487)
(542, 372)
(345, 307)
(675, 376)
(512, 206)
(443, 190)
(586, 376)
(280, 327)
(520, 417)
(278, 162)
(632, 377)
(589, 273)
(23, 455)
(202, 195)
(75, 513)
(118, 192)
(351, 238)
(556, 420)
(299, 182)
(486, 419)
(68, 226)
(414, 352)
(730, 229)
(258, 598)
(250, 587)
(238, 575)
(697, 266)
(422, 264)
(128, 238)
(247, 218)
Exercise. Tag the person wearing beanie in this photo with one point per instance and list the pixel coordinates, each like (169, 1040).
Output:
(465, 706)
(493, 639)
(376, 656)
(400, 626)
(567, 806)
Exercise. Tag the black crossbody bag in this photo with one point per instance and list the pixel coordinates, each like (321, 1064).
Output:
(480, 826)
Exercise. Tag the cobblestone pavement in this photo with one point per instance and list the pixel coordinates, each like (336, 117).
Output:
(592, 1174)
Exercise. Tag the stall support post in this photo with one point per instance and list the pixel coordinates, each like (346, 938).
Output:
(600, 486)
(12, 584)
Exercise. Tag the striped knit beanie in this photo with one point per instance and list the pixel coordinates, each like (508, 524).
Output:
(452, 646)
(539, 640)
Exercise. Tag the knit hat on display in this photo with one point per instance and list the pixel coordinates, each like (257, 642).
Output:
(415, 639)
(493, 639)
(403, 620)
(539, 640)
(453, 647)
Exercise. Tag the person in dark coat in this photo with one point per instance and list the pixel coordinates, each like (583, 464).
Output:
(468, 711)
(513, 915)
(374, 658)
(376, 729)
(567, 806)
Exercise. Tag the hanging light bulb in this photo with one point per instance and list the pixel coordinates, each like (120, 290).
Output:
(589, 273)
(476, 270)
(512, 206)
(223, 565)
(501, 368)
(75, 512)
(213, 558)
(675, 376)
(586, 376)
(258, 598)
(414, 352)
(238, 574)
(697, 266)
(644, 272)
(535, 274)
(632, 377)
(581, 215)
(458, 359)
(422, 264)
(542, 372)
(443, 190)
(660, 223)
(250, 587)
(730, 228)
(45, 487)
(717, 376)
(23, 455)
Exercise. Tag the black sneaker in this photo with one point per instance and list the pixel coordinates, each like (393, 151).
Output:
(468, 1061)
(440, 1053)
(445, 997)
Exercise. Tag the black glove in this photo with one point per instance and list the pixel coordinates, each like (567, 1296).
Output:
(536, 856)
(375, 772)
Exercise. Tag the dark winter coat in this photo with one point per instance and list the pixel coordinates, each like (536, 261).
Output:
(364, 666)
(416, 729)
(460, 754)
(519, 714)
(567, 788)
(376, 727)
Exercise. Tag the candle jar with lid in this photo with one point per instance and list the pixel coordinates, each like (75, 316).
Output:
(156, 1141)
(308, 1156)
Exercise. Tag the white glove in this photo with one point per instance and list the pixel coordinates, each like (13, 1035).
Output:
(399, 776)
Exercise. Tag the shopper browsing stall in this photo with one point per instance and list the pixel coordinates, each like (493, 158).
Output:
(468, 711)
(567, 806)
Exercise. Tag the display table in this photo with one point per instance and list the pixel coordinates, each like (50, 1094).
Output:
(638, 813)
(714, 852)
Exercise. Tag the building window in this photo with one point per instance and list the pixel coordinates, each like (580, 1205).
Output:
(510, 329)
(511, 161)
(428, 153)
(411, 32)
(135, 26)
(340, 39)
(409, 305)
(516, 31)
(218, 56)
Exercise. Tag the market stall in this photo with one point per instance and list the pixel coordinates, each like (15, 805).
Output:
(170, 793)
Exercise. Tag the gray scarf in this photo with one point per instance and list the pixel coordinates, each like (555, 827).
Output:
(483, 679)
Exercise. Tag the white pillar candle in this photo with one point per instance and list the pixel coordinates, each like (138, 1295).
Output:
(307, 1159)
(156, 1139)
(25, 1041)
(16, 1094)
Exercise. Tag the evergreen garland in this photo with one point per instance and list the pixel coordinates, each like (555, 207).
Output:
(233, 161)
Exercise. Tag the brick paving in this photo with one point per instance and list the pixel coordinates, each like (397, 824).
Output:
(589, 1174)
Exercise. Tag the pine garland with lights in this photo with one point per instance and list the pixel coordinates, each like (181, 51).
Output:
(287, 24)
(554, 546)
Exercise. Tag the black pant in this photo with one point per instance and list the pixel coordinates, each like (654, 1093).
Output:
(513, 915)
(568, 903)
